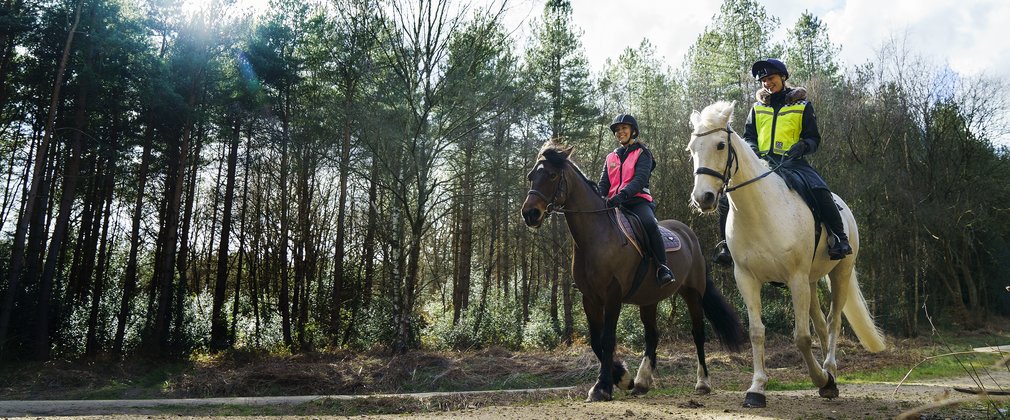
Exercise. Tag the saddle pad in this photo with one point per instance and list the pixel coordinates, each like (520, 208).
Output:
(671, 241)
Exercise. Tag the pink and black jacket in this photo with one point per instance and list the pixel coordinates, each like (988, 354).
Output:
(626, 175)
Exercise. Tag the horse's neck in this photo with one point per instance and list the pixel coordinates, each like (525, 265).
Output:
(584, 222)
(757, 199)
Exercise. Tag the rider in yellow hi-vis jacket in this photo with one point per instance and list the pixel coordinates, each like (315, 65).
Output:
(782, 128)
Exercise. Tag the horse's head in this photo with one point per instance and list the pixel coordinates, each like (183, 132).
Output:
(548, 189)
(712, 153)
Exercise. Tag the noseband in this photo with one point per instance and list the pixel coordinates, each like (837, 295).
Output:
(731, 161)
(552, 203)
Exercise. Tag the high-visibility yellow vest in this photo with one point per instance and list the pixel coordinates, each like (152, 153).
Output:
(777, 132)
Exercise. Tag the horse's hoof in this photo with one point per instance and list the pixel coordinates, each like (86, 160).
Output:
(598, 395)
(754, 400)
(702, 390)
(829, 390)
(639, 391)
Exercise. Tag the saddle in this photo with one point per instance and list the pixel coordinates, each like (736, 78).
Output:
(634, 232)
(796, 182)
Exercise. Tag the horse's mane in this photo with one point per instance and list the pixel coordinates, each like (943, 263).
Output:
(558, 154)
(715, 115)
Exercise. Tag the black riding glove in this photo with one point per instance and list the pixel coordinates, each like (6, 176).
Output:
(798, 150)
(617, 199)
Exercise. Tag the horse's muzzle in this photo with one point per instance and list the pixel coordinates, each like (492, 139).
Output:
(705, 201)
(533, 217)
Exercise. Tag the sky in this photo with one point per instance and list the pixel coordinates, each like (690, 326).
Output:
(972, 37)
(969, 35)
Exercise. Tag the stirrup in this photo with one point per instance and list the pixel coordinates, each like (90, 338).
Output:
(839, 250)
(664, 276)
(722, 255)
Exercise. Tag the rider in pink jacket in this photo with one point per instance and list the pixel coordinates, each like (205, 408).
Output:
(625, 182)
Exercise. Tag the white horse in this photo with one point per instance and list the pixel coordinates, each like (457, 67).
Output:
(770, 233)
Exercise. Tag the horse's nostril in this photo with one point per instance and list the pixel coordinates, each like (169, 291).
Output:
(709, 197)
(531, 216)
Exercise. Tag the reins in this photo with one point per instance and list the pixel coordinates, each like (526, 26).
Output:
(731, 161)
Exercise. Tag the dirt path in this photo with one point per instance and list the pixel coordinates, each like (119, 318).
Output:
(857, 401)
(870, 400)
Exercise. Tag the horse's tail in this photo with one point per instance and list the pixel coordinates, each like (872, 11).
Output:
(725, 321)
(858, 315)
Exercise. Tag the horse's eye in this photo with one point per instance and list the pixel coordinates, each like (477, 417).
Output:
(554, 176)
(722, 145)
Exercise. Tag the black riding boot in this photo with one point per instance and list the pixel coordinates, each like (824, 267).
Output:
(722, 255)
(833, 220)
(646, 214)
(663, 274)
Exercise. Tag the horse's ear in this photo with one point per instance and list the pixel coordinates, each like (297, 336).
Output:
(695, 116)
(568, 152)
(727, 113)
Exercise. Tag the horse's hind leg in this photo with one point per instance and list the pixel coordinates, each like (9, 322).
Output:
(841, 281)
(643, 381)
(820, 325)
(697, 313)
(801, 333)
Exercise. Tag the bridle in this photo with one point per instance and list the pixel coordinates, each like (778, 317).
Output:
(553, 205)
(731, 162)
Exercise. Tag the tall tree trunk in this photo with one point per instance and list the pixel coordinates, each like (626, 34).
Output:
(566, 301)
(367, 254)
(130, 277)
(526, 276)
(18, 252)
(219, 325)
(71, 175)
(464, 260)
(78, 284)
(175, 181)
(182, 261)
(368, 251)
(240, 268)
(283, 302)
(257, 257)
(92, 345)
(555, 268)
(338, 258)
(303, 246)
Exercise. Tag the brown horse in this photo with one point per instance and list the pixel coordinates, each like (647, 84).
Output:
(604, 267)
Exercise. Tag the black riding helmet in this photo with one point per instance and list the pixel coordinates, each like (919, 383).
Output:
(768, 66)
(625, 119)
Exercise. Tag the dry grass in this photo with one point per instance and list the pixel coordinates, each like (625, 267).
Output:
(244, 373)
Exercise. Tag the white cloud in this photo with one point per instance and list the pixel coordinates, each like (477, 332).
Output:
(610, 27)
(971, 36)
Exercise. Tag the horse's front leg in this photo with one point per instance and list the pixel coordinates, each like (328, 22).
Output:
(602, 320)
(750, 290)
(643, 381)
